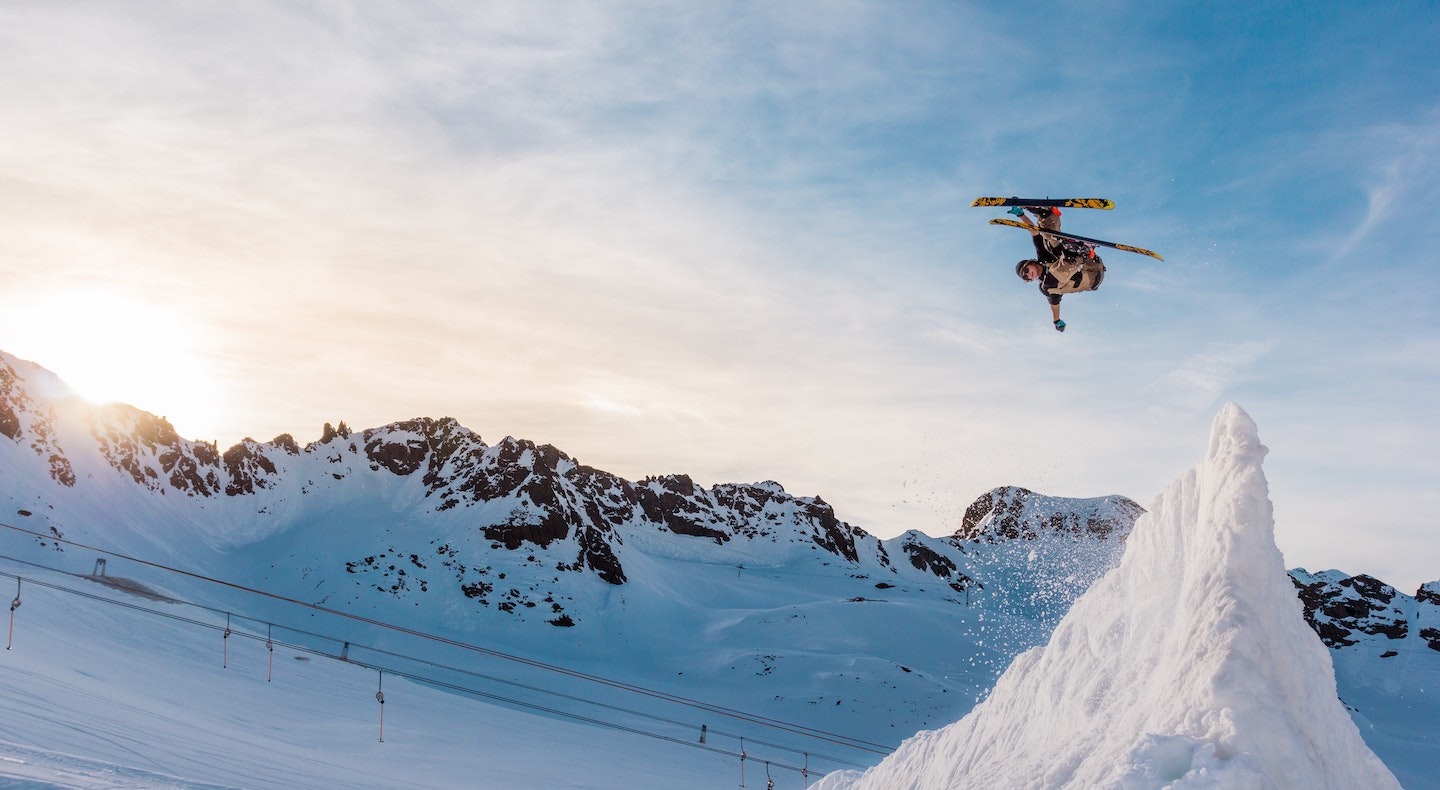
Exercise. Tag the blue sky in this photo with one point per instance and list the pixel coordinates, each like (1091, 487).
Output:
(733, 239)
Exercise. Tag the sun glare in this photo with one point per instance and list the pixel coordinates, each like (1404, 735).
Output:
(116, 348)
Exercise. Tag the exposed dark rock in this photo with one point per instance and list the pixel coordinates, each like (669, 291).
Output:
(16, 408)
(1370, 588)
(1339, 608)
(830, 533)
(61, 471)
(1011, 512)
(1007, 504)
(927, 559)
(1428, 593)
(672, 502)
(477, 589)
(596, 539)
(495, 474)
(248, 468)
(10, 403)
(148, 449)
(1428, 604)
(1431, 637)
(540, 529)
(402, 458)
(9, 420)
(330, 434)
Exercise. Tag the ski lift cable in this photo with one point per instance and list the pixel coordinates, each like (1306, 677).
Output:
(755, 719)
(345, 657)
(599, 679)
(415, 677)
(271, 643)
(582, 700)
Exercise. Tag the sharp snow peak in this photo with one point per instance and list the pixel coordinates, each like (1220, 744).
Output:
(1189, 665)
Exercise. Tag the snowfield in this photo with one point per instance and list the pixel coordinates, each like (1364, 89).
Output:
(531, 622)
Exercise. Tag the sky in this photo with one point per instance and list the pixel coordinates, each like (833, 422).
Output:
(733, 240)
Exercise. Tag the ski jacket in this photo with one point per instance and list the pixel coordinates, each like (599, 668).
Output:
(1067, 270)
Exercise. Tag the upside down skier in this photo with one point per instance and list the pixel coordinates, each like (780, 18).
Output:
(1061, 266)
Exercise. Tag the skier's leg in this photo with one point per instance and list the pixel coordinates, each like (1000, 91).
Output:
(1049, 217)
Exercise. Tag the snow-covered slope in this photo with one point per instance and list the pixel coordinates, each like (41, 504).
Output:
(743, 594)
(1386, 649)
(1189, 665)
(736, 594)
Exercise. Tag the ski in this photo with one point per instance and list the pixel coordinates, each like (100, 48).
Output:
(1100, 203)
(1082, 239)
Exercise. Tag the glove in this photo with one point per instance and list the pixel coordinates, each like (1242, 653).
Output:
(1017, 211)
(1059, 325)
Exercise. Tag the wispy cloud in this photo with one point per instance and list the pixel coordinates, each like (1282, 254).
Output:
(675, 237)
(1202, 378)
(1402, 162)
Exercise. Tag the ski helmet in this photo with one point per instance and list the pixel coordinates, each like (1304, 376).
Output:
(1020, 267)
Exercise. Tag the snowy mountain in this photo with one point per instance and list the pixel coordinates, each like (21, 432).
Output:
(1188, 665)
(741, 593)
(514, 574)
(1386, 649)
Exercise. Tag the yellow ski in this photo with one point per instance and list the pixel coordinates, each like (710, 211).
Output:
(1100, 203)
(1082, 239)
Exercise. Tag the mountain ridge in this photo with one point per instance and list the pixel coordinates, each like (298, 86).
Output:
(524, 543)
(523, 495)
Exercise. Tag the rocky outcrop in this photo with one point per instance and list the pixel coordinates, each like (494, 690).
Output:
(250, 467)
(1427, 616)
(1429, 593)
(673, 502)
(1343, 609)
(1010, 512)
(10, 403)
(148, 449)
(924, 558)
(28, 422)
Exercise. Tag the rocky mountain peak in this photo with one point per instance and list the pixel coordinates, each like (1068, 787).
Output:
(1346, 610)
(1011, 513)
(432, 488)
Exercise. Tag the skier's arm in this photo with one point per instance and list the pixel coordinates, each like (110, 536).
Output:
(1055, 312)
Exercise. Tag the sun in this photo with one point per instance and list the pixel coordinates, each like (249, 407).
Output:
(114, 347)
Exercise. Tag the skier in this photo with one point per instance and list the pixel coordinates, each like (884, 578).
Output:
(1061, 266)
